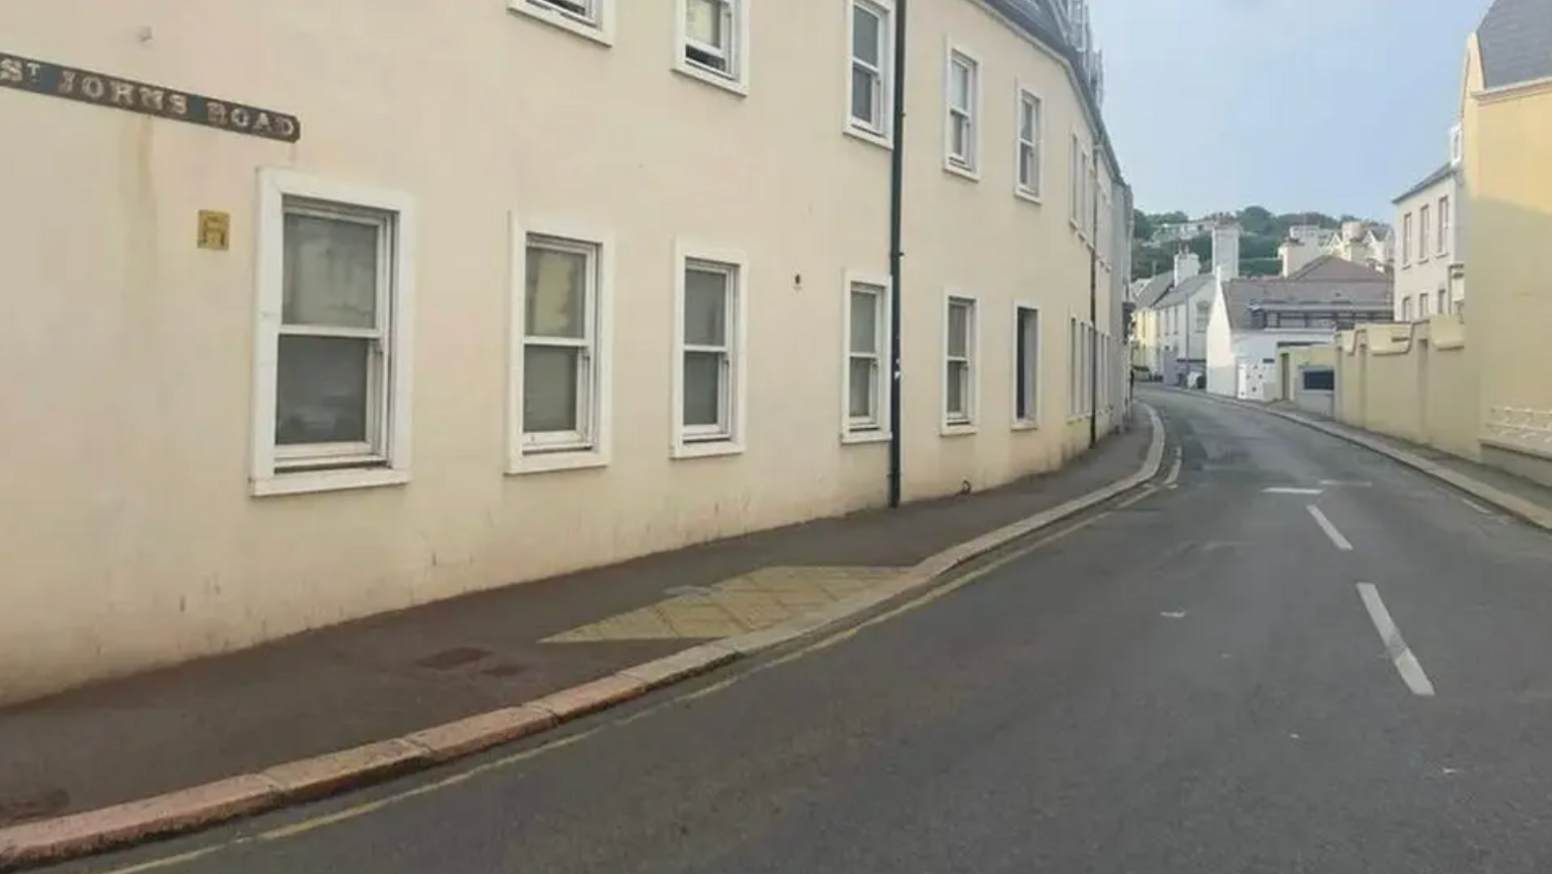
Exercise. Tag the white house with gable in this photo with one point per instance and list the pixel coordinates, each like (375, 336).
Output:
(1253, 318)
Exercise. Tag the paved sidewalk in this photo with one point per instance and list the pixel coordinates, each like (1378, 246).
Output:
(392, 675)
(1494, 477)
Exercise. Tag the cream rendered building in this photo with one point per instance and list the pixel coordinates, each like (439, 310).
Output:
(319, 310)
(1428, 268)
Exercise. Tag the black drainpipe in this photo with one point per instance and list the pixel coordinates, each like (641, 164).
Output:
(896, 193)
(1094, 316)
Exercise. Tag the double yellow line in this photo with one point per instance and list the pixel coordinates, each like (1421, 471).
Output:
(823, 643)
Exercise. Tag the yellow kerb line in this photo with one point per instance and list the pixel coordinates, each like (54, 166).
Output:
(826, 642)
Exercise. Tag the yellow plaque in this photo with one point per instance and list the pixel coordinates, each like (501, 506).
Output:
(215, 230)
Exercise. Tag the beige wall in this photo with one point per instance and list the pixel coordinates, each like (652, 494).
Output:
(1508, 135)
(1412, 381)
(131, 532)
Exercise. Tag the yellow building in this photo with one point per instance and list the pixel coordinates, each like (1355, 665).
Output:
(321, 309)
(1507, 132)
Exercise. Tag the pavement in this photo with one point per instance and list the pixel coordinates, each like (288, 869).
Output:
(1297, 655)
(255, 728)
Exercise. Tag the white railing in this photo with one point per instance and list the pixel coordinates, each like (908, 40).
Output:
(1520, 427)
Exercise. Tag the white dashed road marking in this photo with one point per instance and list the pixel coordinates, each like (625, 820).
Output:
(1406, 663)
(1341, 542)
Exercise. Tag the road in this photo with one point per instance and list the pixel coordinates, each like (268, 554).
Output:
(1300, 657)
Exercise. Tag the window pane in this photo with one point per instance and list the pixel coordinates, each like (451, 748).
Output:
(866, 29)
(959, 87)
(705, 307)
(1027, 166)
(1028, 362)
(958, 330)
(330, 272)
(961, 141)
(1027, 121)
(550, 389)
(702, 388)
(864, 321)
(864, 87)
(703, 21)
(321, 390)
(956, 387)
(863, 373)
(556, 300)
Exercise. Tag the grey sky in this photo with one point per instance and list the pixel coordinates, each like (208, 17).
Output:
(1330, 105)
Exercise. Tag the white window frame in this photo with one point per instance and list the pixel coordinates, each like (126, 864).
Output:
(883, 134)
(1075, 369)
(1075, 184)
(967, 166)
(854, 430)
(1086, 221)
(1032, 419)
(282, 471)
(1406, 308)
(969, 421)
(1424, 232)
(1102, 227)
(1406, 240)
(736, 78)
(1030, 190)
(1088, 368)
(541, 453)
(730, 437)
(1443, 245)
(590, 19)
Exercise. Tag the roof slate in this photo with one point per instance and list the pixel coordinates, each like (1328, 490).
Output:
(1178, 294)
(1516, 42)
(1152, 289)
(1428, 181)
(1325, 289)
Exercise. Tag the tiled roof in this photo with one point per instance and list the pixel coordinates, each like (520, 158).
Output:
(1152, 289)
(1516, 42)
(1370, 291)
(1329, 268)
(1429, 181)
(1184, 290)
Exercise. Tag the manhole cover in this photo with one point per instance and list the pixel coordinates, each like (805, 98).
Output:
(456, 657)
(34, 805)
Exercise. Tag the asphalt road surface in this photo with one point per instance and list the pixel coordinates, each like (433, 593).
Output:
(1300, 657)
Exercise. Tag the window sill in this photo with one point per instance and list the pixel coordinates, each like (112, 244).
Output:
(1024, 425)
(1026, 195)
(560, 20)
(958, 429)
(716, 80)
(707, 449)
(872, 138)
(961, 171)
(305, 482)
(551, 462)
(862, 438)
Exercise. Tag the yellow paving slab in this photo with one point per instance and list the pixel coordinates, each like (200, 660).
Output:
(748, 602)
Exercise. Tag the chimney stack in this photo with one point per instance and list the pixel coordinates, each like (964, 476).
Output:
(1225, 251)
(1187, 265)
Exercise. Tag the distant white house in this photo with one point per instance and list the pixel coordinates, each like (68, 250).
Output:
(1173, 308)
(1253, 318)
